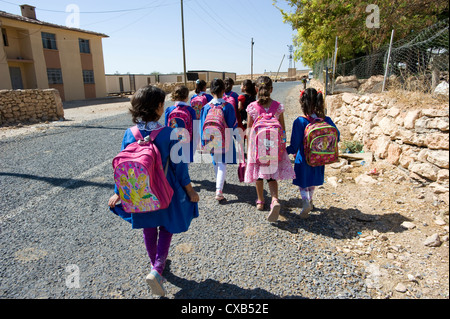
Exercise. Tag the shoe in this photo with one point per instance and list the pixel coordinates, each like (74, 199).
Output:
(306, 209)
(155, 281)
(275, 208)
(260, 205)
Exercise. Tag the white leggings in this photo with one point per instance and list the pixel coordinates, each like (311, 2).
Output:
(221, 175)
(308, 192)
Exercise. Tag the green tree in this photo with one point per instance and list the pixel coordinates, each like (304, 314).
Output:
(318, 22)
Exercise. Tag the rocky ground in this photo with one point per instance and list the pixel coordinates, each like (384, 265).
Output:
(395, 228)
(392, 229)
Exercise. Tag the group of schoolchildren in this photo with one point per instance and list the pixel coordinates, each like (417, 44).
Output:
(222, 107)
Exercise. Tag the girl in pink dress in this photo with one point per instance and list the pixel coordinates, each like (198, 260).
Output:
(256, 173)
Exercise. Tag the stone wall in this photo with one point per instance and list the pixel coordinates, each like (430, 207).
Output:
(416, 140)
(30, 106)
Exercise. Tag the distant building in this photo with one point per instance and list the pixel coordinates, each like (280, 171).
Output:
(41, 55)
(130, 83)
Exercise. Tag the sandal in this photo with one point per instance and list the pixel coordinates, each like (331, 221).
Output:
(219, 196)
(275, 208)
(260, 205)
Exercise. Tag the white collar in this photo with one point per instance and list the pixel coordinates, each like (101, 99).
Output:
(149, 126)
(181, 103)
(218, 101)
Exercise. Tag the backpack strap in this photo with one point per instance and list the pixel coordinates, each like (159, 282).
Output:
(138, 136)
(312, 119)
(136, 133)
(272, 109)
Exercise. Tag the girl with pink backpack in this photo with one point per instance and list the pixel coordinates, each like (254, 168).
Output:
(218, 125)
(182, 117)
(267, 158)
(175, 214)
(307, 176)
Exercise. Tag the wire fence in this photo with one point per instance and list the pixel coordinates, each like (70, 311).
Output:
(417, 63)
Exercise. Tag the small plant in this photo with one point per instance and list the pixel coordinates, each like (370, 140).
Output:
(351, 147)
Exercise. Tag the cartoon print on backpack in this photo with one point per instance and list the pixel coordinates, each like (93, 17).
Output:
(143, 193)
(320, 142)
(136, 194)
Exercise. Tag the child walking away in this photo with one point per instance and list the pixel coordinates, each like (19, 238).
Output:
(181, 117)
(307, 154)
(249, 96)
(267, 158)
(232, 98)
(161, 202)
(200, 98)
(217, 121)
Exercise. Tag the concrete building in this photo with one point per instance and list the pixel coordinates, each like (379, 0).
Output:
(41, 55)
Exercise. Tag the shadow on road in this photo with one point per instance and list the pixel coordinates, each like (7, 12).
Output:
(213, 289)
(337, 222)
(68, 183)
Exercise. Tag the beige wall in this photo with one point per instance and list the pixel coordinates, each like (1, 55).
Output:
(25, 41)
(5, 80)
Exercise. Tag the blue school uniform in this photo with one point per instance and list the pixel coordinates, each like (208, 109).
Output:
(186, 158)
(230, 119)
(305, 175)
(181, 211)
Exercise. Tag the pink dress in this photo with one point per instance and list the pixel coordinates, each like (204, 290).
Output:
(253, 172)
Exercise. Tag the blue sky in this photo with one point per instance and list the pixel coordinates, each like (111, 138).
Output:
(145, 36)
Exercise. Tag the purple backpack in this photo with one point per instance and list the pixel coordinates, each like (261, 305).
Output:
(140, 177)
(180, 119)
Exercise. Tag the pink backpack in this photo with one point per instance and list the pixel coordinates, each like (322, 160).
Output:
(230, 99)
(180, 119)
(320, 143)
(269, 143)
(215, 131)
(198, 103)
(140, 177)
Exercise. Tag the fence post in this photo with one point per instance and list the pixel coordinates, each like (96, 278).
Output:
(334, 65)
(387, 62)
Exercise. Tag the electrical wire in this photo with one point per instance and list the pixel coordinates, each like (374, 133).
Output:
(98, 12)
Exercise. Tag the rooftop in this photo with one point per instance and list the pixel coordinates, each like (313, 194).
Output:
(7, 15)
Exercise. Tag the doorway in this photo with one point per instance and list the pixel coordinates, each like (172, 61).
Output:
(16, 78)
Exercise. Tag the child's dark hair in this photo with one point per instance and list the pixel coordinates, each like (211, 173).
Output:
(312, 102)
(249, 88)
(264, 85)
(217, 87)
(200, 86)
(180, 93)
(145, 102)
(229, 82)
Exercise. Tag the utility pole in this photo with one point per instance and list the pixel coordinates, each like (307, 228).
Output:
(184, 47)
(253, 43)
(388, 61)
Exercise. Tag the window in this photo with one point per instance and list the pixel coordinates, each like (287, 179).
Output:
(49, 41)
(5, 37)
(88, 77)
(84, 46)
(54, 76)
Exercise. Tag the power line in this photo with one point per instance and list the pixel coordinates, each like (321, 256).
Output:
(99, 12)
